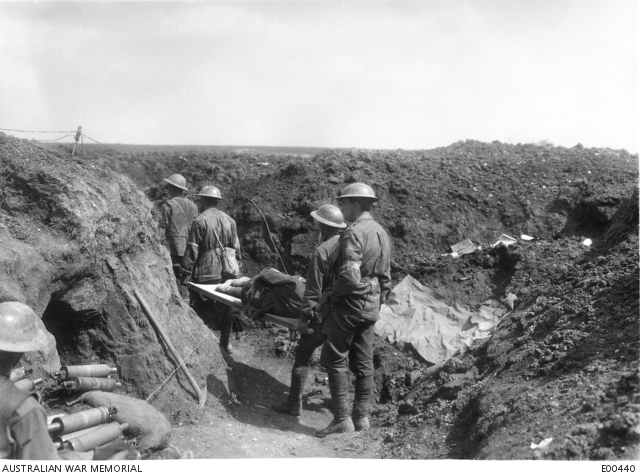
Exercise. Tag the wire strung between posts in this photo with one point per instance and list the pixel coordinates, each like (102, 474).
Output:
(54, 140)
(180, 364)
(52, 132)
(85, 135)
(267, 225)
(39, 132)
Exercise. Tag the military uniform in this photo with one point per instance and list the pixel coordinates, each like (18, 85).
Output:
(23, 422)
(176, 217)
(362, 284)
(23, 428)
(319, 279)
(313, 309)
(201, 261)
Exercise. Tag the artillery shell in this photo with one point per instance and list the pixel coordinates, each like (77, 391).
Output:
(100, 436)
(98, 370)
(79, 421)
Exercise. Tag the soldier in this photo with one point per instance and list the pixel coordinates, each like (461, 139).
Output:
(210, 233)
(23, 421)
(362, 284)
(330, 223)
(176, 216)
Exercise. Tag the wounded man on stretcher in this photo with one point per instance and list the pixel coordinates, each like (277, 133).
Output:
(270, 292)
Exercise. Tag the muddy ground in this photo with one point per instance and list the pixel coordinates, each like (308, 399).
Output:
(562, 365)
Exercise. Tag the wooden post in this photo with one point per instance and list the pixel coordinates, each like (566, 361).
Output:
(77, 138)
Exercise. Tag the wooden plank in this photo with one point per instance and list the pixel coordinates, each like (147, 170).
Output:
(281, 321)
(209, 290)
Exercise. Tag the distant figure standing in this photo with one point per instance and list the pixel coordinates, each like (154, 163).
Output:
(210, 231)
(176, 216)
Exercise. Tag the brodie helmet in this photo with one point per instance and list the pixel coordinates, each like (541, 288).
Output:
(210, 191)
(19, 329)
(329, 215)
(358, 190)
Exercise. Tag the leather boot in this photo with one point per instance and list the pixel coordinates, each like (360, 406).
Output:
(363, 392)
(338, 384)
(293, 405)
(224, 341)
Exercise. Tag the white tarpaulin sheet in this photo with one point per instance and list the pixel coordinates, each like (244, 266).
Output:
(416, 315)
(464, 247)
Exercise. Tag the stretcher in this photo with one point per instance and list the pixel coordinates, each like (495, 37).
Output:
(209, 291)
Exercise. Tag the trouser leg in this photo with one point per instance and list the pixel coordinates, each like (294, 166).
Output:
(298, 381)
(339, 332)
(300, 371)
(339, 385)
(361, 364)
(293, 404)
(211, 311)
(225, 318)
(307, 344)
(183, 290)
(361, 402)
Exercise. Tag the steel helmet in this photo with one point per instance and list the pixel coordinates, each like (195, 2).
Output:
(358, 190)
(19, 329)
(210, 191)
(178, 181)
(329, 215)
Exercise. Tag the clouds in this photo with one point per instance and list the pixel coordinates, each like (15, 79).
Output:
(328, 74)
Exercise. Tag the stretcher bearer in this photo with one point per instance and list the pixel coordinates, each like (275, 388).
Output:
(319, 278)
(176, 216)
(211, 232)
(362, 284)
(23, 421)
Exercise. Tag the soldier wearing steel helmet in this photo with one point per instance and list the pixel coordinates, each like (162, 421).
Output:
(176, 216)
(23, 421)
(312, 310)
(362, 284)
(210, 230)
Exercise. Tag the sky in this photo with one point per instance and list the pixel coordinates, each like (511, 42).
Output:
(363, 74)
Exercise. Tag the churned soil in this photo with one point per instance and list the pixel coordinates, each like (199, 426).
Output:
(557, 380)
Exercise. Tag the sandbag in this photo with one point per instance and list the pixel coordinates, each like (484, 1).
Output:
(151, 428)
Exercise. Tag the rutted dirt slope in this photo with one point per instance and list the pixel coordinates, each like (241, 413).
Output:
(76, 241)
(563, 365)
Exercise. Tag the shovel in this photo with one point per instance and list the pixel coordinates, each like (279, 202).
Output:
(202, 394)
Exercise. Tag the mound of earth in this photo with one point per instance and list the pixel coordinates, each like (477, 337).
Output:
(563, 365)
(77, 241)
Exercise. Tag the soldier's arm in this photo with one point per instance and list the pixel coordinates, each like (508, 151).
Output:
(191, 252)
(236, 241)
(165, 216)
(313, 288)
(384, 279)
(385, 285)
(348, 276)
